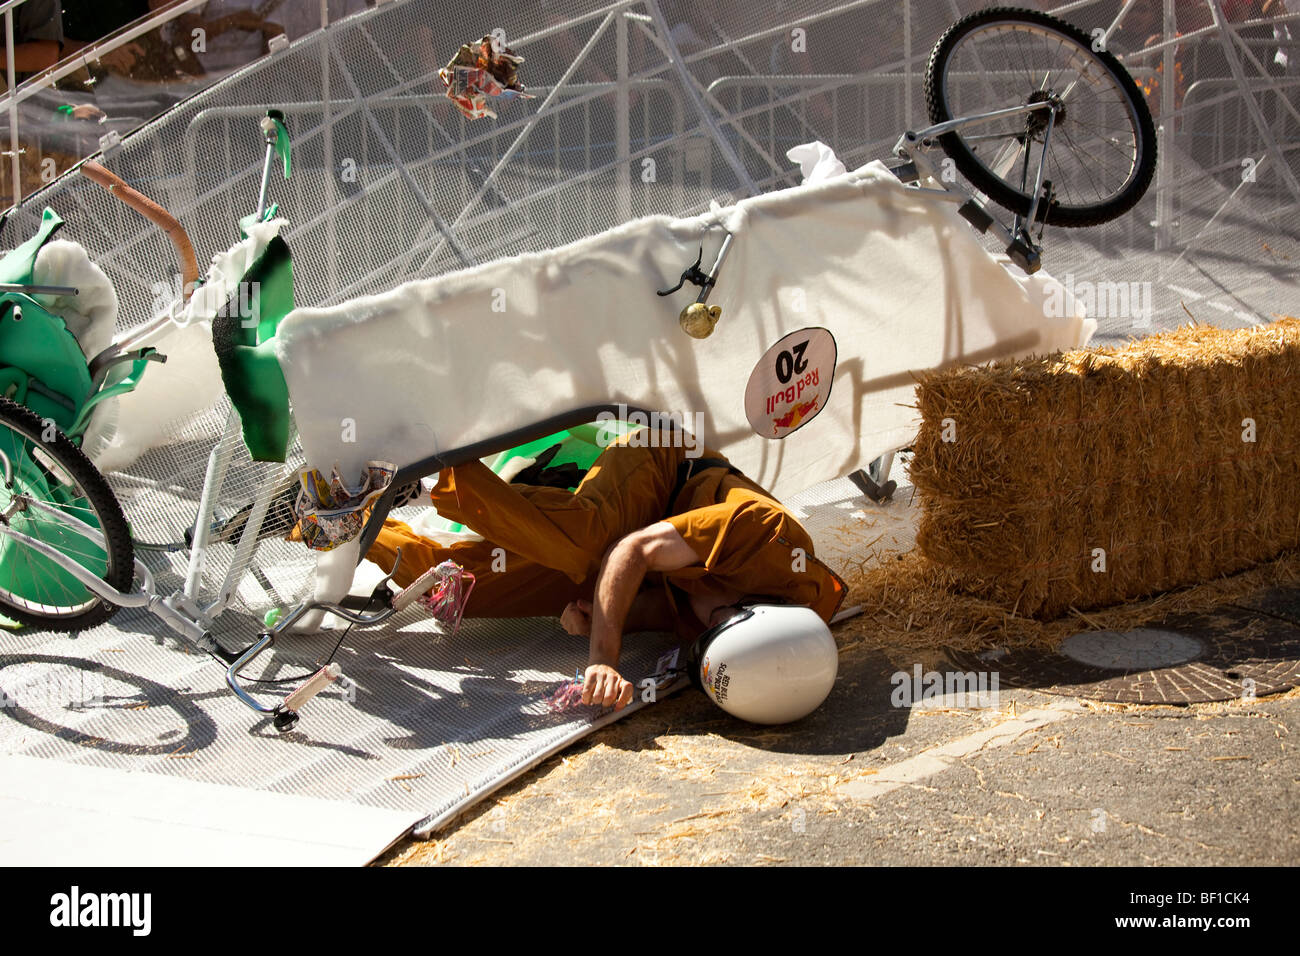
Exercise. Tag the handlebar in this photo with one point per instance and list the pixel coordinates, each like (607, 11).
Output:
(155, 213)
(285, 714)
(313, 686)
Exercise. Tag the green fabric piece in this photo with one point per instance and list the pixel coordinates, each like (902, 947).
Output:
(39, 355)
(529, 450)
(126, 384)
(580, 445)
(281, 139)
(18, 264)
(245, 353)
(41, 346)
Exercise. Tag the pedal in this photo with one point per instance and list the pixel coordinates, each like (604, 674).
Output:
(416, 589)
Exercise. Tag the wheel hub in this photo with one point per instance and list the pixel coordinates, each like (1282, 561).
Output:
(1036, 122)
(16, 504)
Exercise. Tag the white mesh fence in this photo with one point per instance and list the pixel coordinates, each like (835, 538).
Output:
(660, 107)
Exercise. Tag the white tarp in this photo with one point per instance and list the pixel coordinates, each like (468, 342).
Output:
(898, 278)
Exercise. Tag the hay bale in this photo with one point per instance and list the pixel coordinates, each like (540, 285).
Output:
(1095, 476)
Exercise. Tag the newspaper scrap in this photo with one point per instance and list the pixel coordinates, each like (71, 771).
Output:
(480, 70)
(329, 512)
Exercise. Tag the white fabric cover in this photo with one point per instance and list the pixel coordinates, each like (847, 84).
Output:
(189, 383)
(894, 273)
(91, 314)
(817, 161)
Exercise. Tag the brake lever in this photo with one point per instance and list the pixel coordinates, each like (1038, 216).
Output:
(693, 274)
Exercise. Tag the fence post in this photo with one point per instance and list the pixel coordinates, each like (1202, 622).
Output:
(16, 167)
(622, 122)
(1165, 139)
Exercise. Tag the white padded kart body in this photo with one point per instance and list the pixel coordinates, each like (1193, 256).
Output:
(897, 277)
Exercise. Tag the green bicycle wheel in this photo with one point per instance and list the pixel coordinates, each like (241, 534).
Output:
(45, 466)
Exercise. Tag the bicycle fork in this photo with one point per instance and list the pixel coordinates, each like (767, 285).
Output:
(1019, 242)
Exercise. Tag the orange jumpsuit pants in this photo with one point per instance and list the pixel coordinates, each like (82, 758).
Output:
(542, 546)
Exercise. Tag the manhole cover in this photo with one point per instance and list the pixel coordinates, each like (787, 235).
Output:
(1141, 649)
(1232, 652)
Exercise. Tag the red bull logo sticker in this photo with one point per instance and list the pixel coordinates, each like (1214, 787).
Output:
(791, 382)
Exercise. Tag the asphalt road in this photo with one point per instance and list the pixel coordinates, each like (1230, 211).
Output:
(1037, 780)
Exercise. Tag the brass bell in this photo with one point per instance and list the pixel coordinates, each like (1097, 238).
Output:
(697, 319)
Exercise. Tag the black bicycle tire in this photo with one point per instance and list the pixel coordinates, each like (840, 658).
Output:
(997, 189)
(117, 534)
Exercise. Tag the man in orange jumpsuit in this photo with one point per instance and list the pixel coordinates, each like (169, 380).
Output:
(649, 540)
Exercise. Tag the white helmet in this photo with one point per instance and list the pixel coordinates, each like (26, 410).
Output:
(767, 664)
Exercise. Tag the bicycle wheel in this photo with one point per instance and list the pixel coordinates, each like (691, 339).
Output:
(1102, 149)
(45, 466)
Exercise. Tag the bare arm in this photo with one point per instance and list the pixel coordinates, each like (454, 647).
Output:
(657, 547)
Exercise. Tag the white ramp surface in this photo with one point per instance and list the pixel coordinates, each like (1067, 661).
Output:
(59, 814)
(427, 725)
(146, 757)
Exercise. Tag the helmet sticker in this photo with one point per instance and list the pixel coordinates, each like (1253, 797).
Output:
(720, 681)
(791, 382)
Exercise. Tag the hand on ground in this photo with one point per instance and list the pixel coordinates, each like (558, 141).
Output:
(604, 687)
